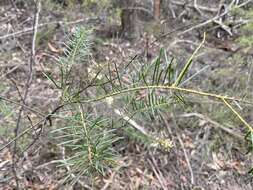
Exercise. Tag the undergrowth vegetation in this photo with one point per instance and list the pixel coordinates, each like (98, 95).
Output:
(123, 97)
(102, 112)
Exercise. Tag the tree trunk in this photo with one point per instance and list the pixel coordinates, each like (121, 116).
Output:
(129, 23)
(157, 6)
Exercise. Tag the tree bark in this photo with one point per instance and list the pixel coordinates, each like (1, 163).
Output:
(129, 23)
(157, 6)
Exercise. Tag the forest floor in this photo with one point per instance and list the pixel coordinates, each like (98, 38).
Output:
(209, 150)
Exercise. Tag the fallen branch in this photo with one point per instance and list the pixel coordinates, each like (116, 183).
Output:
(30, 30)
(199, 7)
(214, 19)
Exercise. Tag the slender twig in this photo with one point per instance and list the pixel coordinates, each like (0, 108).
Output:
(34, 127)
(194, 75)
(199, 25)
(24, 106)
(157, 173)
(30, 30)
(208, 9)
(185, 90)
(237, 114)
(174, 88)
(187, 159)
(196, 6)
(17, 88)
(212, 19)
(184, 70)
(10, 71)
(244, 3)
(222, 98)
(27, 85)
(224, 27)
(131, 121)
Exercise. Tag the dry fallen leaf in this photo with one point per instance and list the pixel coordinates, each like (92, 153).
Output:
(53, 49)
(217, 164)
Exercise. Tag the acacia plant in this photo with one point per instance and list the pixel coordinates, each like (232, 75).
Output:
(105, 105)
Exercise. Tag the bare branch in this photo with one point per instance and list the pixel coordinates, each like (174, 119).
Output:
(28, 83)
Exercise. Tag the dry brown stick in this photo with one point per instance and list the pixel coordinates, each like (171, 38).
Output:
(224, 27)
(109, 181)
(111, 178)
(28, 83)
(172, 11)
(214, 18)
(187, 159)
(199, 25)
(131, 121)
(244, 3)
(29, 30)
(208, 9)
(157, 173)
(196, 6)
(192, 27)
